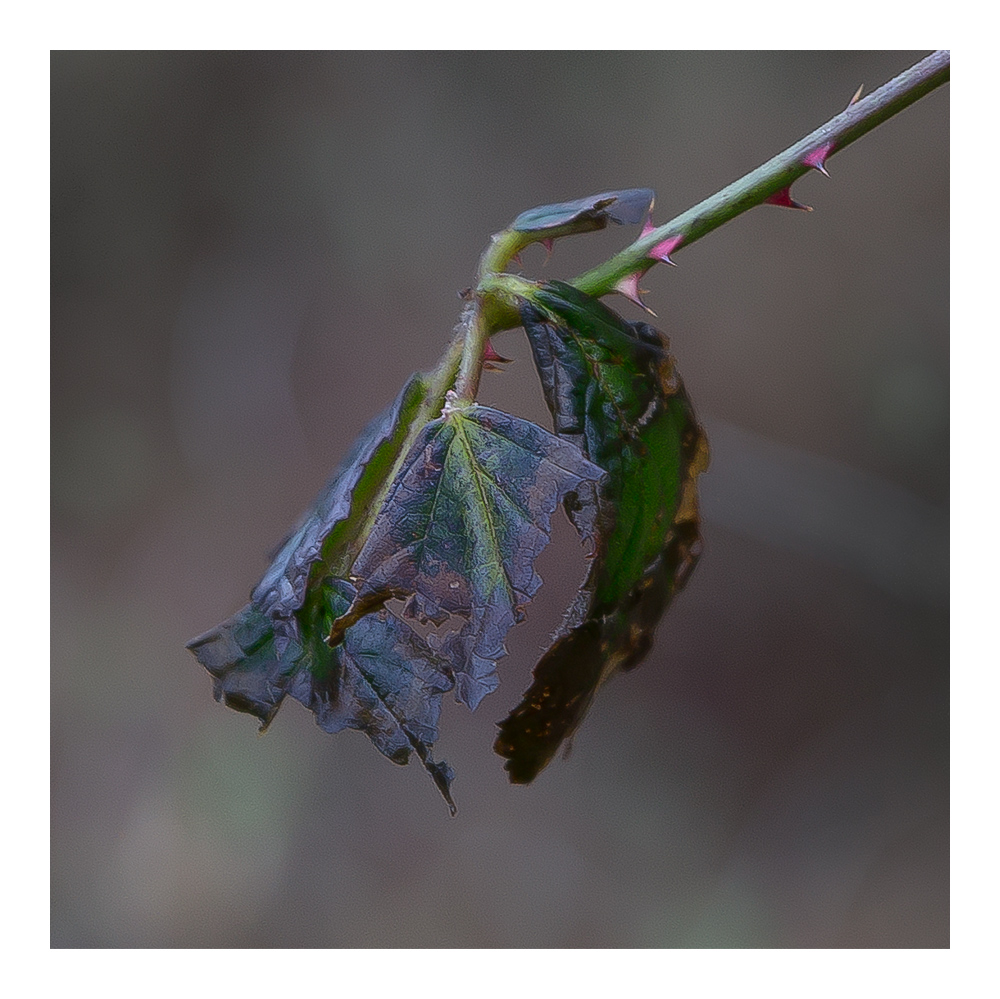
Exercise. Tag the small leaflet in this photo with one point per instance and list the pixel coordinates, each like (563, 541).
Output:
(587, 214)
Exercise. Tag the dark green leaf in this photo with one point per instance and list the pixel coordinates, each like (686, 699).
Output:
(464, 521)
(587, 214)
(384, 679)
(612, 387)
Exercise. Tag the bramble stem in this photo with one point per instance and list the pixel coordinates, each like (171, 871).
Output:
(496, 298)
(473, 351)
(775, 175)
(497, 293)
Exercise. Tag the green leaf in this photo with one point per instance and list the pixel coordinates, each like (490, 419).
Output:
(587, 214)
(384, 679)
(463, 523)
(612, 388)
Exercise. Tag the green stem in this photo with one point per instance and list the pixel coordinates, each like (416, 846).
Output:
(497, 293)
(776, 175)
(473, 351)
(497, 297)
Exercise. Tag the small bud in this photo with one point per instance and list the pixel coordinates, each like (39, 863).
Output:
(450, 402)
(784, 199)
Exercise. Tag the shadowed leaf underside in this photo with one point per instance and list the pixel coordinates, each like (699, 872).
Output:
(383, 680)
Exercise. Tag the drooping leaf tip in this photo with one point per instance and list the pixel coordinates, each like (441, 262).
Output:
(443, 775)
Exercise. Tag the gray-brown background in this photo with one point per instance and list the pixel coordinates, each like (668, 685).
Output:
(249, 255)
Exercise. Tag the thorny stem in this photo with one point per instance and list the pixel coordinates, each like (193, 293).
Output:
(474, 350)
(496, 308)
(497, 297)
(776, 174)
(497, 294)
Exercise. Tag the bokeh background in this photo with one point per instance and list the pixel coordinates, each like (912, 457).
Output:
(250, 253)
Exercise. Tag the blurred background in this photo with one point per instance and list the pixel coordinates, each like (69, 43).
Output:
(250, 253)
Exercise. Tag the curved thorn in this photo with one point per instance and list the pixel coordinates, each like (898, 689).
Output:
(784, 199)
(661, 251)
(817, 158)
(491, 356)
(629, 287)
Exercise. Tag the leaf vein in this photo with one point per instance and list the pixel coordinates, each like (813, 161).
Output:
(477, 474)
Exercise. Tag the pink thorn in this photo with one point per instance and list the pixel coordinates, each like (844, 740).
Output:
(661, 251)
(784, 199)
(817, 158)
(548, 244)
(517, 259)
(490, 354)
(629, 287)
(857, 96)
(648, 227)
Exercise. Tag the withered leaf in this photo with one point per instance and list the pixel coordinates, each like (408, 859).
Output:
(384, 679)
(464, 521)
(317, 546)
(612, 387)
